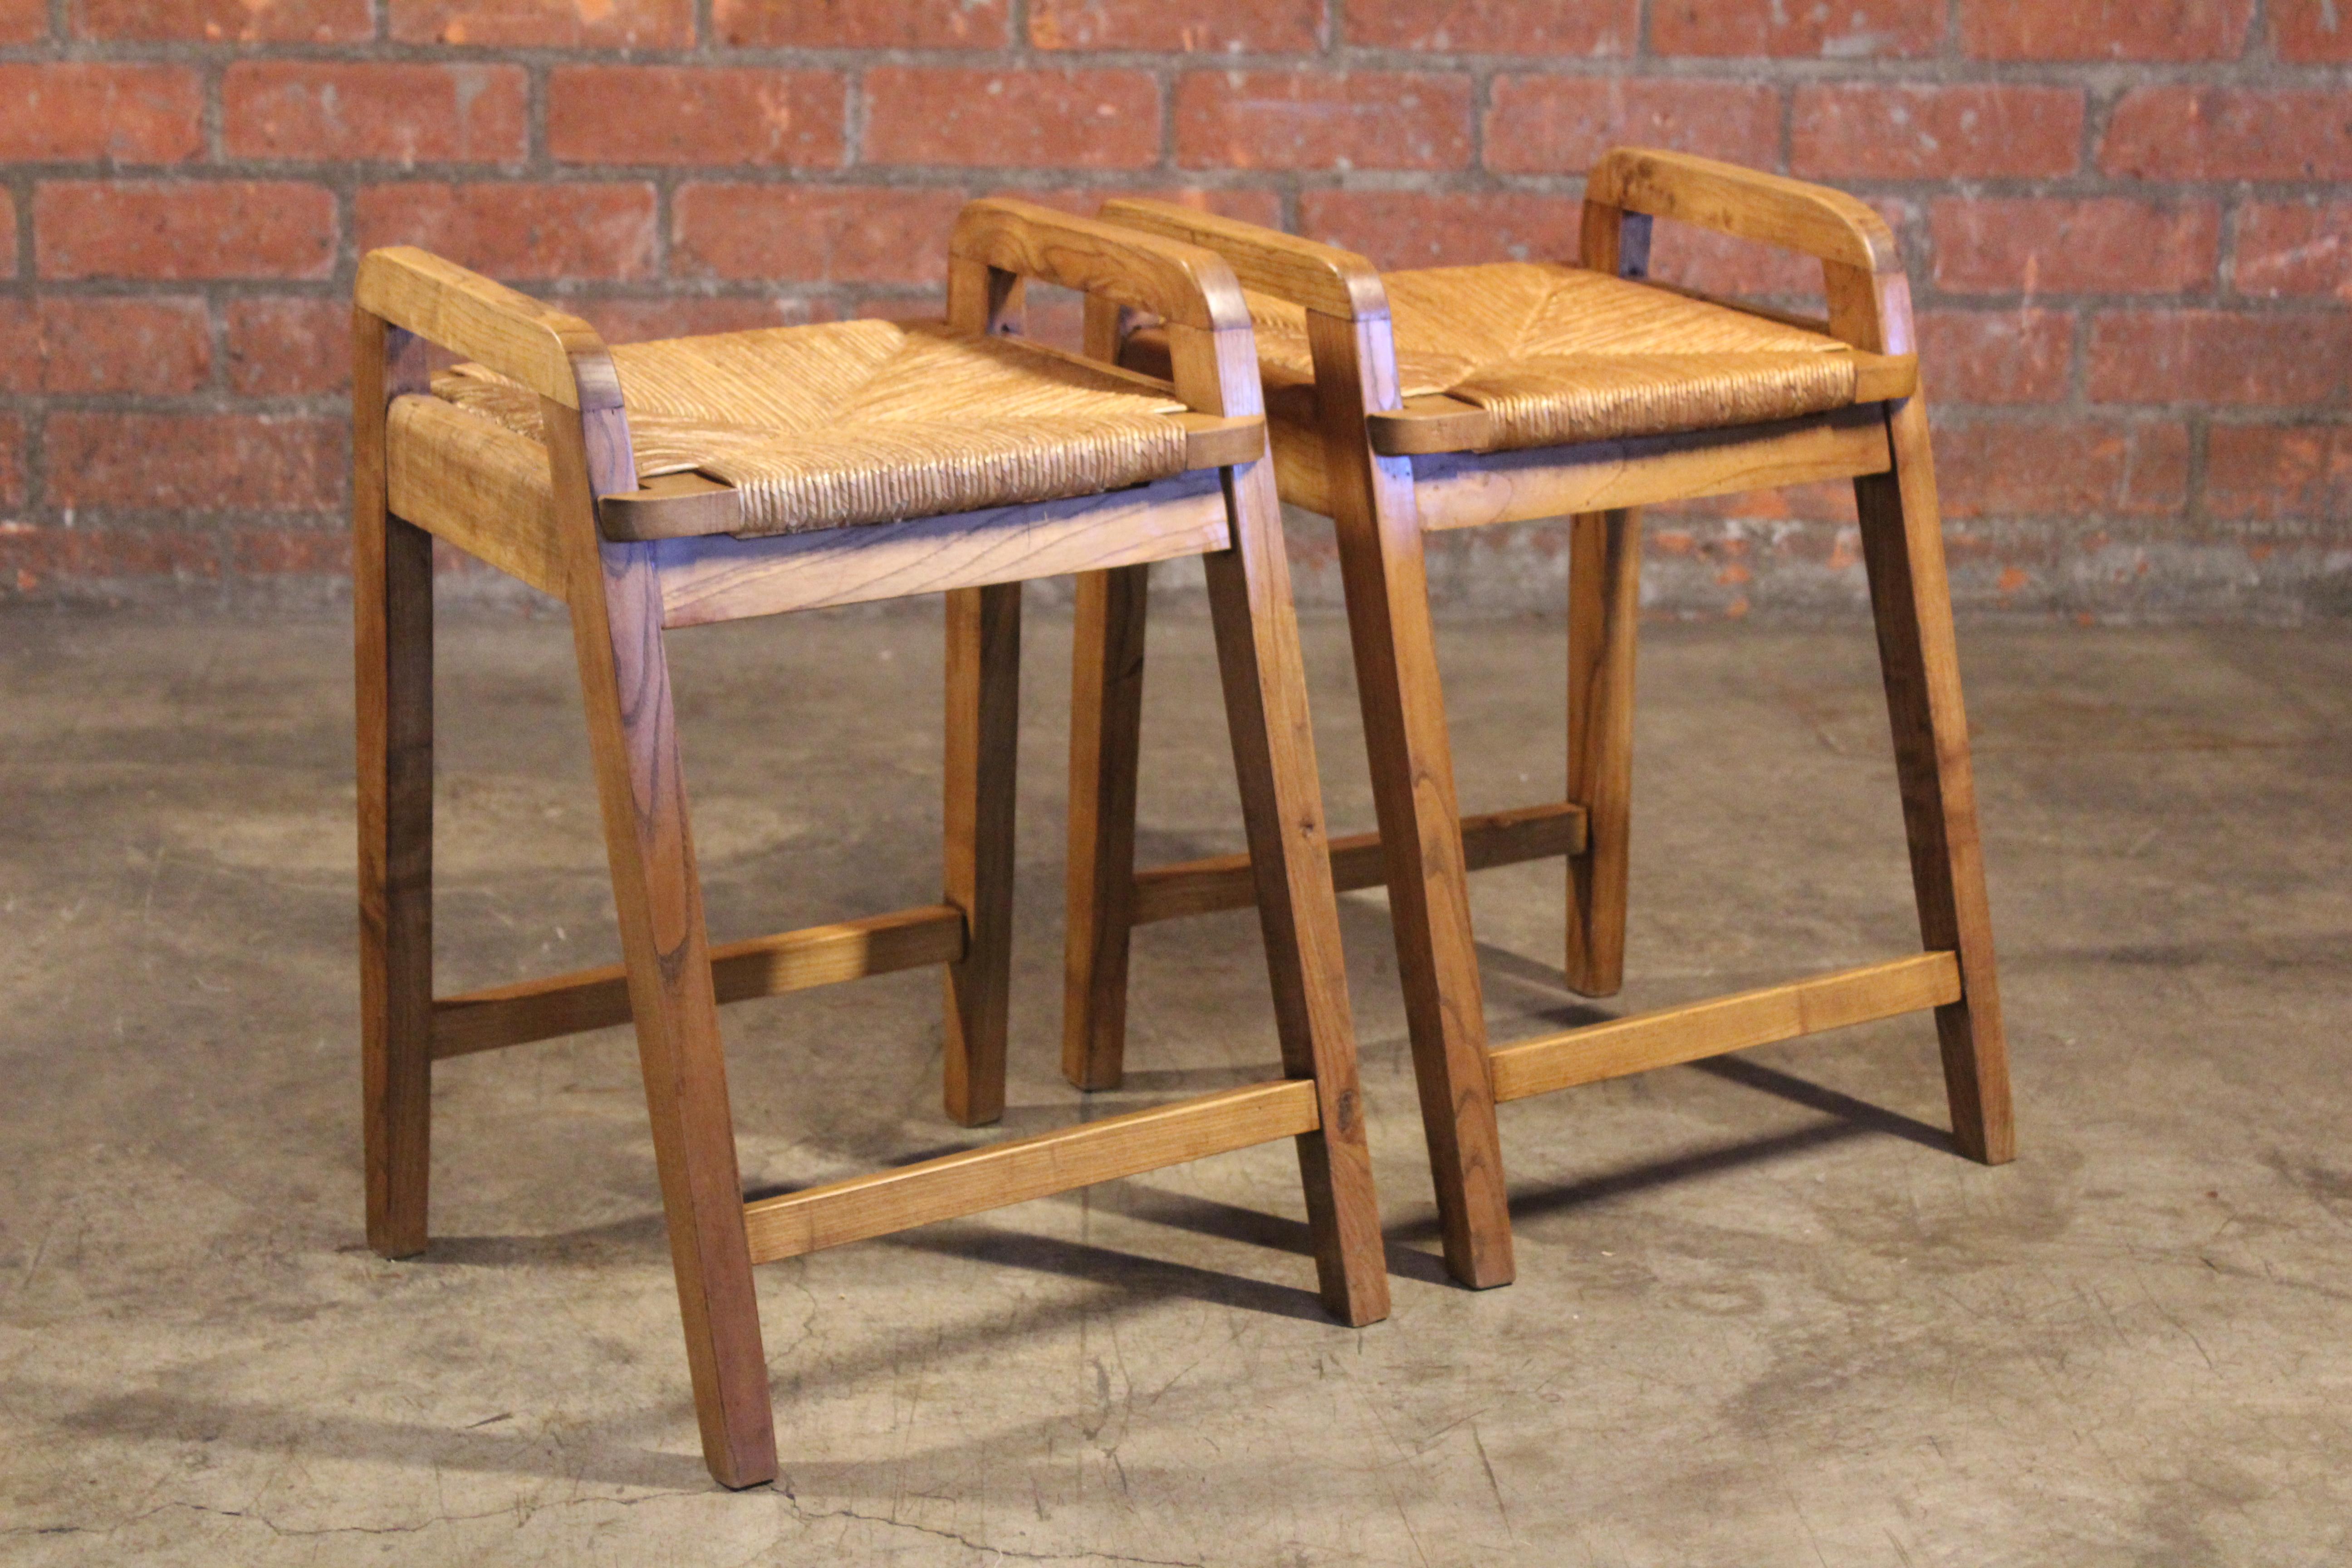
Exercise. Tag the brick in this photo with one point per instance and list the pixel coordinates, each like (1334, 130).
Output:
(12, 463)
(30, 555)
(223, 21)
(282, 552)
(24, 21)
(1591, 28)
(690, 316)
(1350, 120)
(145, 228)
(62, 111)
(1249, 204)
(69, 346)
(8, 236)
(1996, 357)
(671, 114)
(1199, 27)
(518, 230)
(2219, 356)
(545, 24)
(196, 462)
(2228, 133)
(1422, 228)
(863, 23)
(289, 346)
(2279, 471)
(2105, 29)
(1539, 124)
(814, 234)
(2294, 248)
(1829, 29)
(2311, 31)
(308, 110)
(2102, 246)
(2070, 469)
(1937, 133)
(1016, 118)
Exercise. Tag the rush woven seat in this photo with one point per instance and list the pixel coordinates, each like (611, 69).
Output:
(860, 422)
(1561, 355)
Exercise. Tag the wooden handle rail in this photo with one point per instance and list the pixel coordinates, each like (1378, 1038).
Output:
(1223, 881)
(1746, 204)
(1182, 283)
(1024, 1168)
(554, 354)
(740, 971)
(1734, 1023)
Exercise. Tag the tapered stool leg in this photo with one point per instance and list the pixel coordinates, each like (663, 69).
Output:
(392, 603)
(1604, 600)
(983, 661)
(1106, 749)
(1903, 549)
(1264, 680)
(1412, 760)
(632, 736)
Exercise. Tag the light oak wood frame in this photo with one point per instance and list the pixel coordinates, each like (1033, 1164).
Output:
(1387, 470)
(624, 590)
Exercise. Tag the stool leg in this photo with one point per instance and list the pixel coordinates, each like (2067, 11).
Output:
(983, 659)
(1604, 598)
(391, 603)
(1282, 808)
(632, 736)
(1903, 549)
(1106, 746)
(1385, 574)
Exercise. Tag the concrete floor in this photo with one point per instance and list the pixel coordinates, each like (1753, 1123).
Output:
(1763, 1316)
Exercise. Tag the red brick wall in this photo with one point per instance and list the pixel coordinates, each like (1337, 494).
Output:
(2128, 221)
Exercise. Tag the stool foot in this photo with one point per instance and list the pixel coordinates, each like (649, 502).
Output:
(1105, 746)
(1604, 599)
(392, 604)
(616, 630)
(983, 680)
(1903, 549)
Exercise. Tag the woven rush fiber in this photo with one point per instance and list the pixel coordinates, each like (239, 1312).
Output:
(859, 422)
(1559, 354)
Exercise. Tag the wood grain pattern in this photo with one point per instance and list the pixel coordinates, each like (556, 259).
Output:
(1722, 1023)
(1412, 764)
(1903, 549)
(1770, 208)
(1320, 277)
(1179, 283)
(617, 614)
(1468, 490)
(1216, 882)
(1264, 682)
(482, 488)
(556, 355)
(1604, 604)
(1024, 1168)
(1106, 746)
(723, 579)
(392, 624)
(541, 1009)
(984, 725)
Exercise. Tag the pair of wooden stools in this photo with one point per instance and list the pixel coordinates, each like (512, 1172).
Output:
(699, 481)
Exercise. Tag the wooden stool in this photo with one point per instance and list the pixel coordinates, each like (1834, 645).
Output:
(1468, 396)
(685, 483)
